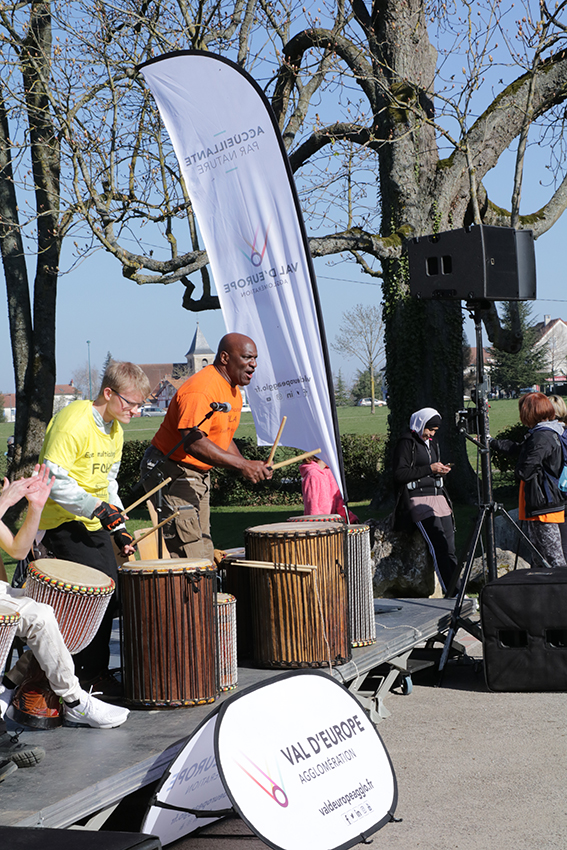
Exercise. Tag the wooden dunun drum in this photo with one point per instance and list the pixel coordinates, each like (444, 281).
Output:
(79, 596)
(360, 586)
(9, 620)
(299, 619)
(169, 640)
(226, 624)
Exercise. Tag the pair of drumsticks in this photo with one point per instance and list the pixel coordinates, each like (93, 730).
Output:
(290, 460)
(282, 463)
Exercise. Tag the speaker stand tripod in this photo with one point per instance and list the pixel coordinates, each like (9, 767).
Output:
(478, 423)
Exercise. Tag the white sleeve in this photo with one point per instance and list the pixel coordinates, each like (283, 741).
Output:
(67, 493)
(113, 496)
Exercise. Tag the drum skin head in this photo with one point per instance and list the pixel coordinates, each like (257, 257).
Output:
(71, 573)
(225, 598)
(176, 565)
(8, 616)
(298, 528)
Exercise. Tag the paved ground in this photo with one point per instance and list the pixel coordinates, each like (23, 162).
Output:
(475, 770)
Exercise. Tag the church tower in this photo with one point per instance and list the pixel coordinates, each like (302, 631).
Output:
(200, 353)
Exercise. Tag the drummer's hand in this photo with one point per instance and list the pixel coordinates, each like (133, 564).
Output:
(256, 470)
(41, 483)
(125, 542)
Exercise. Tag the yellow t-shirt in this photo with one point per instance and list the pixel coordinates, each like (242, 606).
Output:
(74, 442)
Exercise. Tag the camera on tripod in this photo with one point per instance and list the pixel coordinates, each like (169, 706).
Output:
(468, 420)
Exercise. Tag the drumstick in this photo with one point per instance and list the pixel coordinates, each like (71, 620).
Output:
(145, 496)
(272, 565)
(274, 447)
(155, 528)
(295, 459)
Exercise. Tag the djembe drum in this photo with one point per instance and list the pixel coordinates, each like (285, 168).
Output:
(8, 627)
(226, 624)
(360, 585)
(79, 596)
(169, 640)
(299, 619)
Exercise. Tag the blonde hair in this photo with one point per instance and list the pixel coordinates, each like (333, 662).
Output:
(559, 406)
(122, 375)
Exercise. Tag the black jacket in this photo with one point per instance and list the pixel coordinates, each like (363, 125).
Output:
(412, 466)
(539, 465)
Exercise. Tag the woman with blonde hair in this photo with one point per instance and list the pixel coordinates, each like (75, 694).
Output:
(560, 407)
(539, 465)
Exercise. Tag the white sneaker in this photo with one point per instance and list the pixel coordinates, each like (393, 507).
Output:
(95, 713)
(6, 695)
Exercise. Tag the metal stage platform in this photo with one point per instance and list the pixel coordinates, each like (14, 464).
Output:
(87, 772)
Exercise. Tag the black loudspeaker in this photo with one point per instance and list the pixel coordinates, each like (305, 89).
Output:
(479, 262)
(524, 631)
(34, 838)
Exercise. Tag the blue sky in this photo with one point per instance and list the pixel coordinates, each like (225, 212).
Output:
(147, 324)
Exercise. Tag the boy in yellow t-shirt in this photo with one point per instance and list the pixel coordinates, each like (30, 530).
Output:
(82, 449)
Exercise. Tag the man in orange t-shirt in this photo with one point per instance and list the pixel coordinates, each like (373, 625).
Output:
(209, 445)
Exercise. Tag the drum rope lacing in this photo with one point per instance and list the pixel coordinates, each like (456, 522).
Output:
(325, 636)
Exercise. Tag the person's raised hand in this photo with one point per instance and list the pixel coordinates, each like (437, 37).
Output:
(40, 485)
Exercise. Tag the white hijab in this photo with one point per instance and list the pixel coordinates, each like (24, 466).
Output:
(420, 418)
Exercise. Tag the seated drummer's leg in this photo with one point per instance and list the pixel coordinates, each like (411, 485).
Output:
(38, 627)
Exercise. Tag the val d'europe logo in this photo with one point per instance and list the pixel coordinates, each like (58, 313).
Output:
(256, 253)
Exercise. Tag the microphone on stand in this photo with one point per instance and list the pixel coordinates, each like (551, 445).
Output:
(221, 406)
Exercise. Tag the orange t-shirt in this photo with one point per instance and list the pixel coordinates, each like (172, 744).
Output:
(190, 404)
(556, 516)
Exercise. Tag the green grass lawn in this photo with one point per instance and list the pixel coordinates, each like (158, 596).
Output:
(228, 524)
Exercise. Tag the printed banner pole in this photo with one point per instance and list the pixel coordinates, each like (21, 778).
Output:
(237, 173)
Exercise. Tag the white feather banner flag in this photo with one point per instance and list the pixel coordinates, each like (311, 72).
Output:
(238, 177)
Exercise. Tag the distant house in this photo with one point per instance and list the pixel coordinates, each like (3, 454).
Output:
(9, 407)
(469, 372)
(552, 333)
(64, 394)
(166, 378)
(165, 390)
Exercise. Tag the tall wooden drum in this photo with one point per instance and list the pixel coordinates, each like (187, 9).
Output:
(299, 619)
(361, 587)
(169, 636)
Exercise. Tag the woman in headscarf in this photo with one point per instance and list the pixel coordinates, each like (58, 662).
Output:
(422, 499)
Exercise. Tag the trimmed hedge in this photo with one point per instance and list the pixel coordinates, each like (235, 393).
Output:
(362, 459)
(504, 463)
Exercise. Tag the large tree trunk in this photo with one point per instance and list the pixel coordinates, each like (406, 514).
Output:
(423, 339)
(33, 340)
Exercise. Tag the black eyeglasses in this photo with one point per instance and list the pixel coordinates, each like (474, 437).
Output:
(125, 400)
